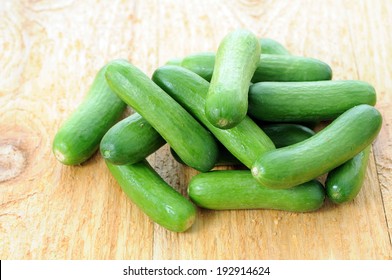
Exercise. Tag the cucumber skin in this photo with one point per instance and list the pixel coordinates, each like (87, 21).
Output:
(192, 142)
(235, 63)
(271, 67)
(344, 182)
(307, 101)
(79, 136)
(286, 134)
(345, 137)
(246, 141)
(237, 189)
(130, 140)
(150, 193)
(271, 46)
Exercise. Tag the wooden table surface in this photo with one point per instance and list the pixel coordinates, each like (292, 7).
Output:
(49, 54)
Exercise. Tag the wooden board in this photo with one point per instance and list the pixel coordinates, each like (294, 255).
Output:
(49, 54)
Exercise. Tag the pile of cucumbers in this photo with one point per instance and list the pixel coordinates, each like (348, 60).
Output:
(251, 105)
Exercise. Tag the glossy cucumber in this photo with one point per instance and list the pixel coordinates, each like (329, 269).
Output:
(150, 193)
(271, 67)
(130, 140)
(286, 134)
(191, 141)
(226, 103)
(78, 137)
(341, 140)
(246, 141)
(237, 189)
(344, 182)
(307, 101)
(271, 46)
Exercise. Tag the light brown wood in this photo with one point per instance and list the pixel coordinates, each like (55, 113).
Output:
(49, 54)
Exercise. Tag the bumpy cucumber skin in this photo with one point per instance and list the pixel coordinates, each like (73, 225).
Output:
(246, 141)
(130, 140)
(271, 46)
(158, 200)
(344, 182)
(200, 63)
(345, 137)
(286, 134)
(307, 101)
(236, 60)
(78, 137)
(191, 141)
(237, 189)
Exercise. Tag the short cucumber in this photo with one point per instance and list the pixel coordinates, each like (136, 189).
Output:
(235, 63)
(237, 189)
(158, 200)
(271, 67)
(271, 46)
(246, 141)
(307, 101)
(78, 137)
(341, 140)
(344, 182)
(192, 142)
(286, 134)
(130, 141)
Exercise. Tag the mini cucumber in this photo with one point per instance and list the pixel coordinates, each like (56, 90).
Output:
(78, 137)
(271, 46)
(150, 193)
(307, 101)
(344, 182)
(286, 134)
(246, 141)
(192, 142)
(226, 103)
(271, 67)
(341, 140)
(237, 189)
(130, 141)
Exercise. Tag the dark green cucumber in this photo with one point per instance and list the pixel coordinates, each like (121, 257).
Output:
(272, 67)
(341, 140)
(307, 101)
(344, 182)
(286, 134)
(235, 63)
(130, 140)
(237, 189)
(270, 46)
(78, 137)
(192, 142)
(151, 194)
(246, 141)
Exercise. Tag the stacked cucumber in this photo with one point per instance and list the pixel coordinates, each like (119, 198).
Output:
(252, 105)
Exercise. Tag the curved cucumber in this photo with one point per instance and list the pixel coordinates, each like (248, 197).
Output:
(192, 142)
(78, 137)
(237, 189)
(307, 101)
(163, 204)
(345, 137)
(130, 140)
(235, 63)
(270, 46)
(271, 67)
(246, 141)
(344, 182)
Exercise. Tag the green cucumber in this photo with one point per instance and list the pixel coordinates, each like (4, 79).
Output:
(344, 182)
(271, 67)
(130, 141)
(174, 61)
(150, 193)
(192, 142)
(341, 140)
(78, 137)
(271, 46)
(235, 63)
(246, 141)
(307, 101)
(237, 189)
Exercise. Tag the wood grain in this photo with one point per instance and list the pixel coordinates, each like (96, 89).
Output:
(49, 54)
